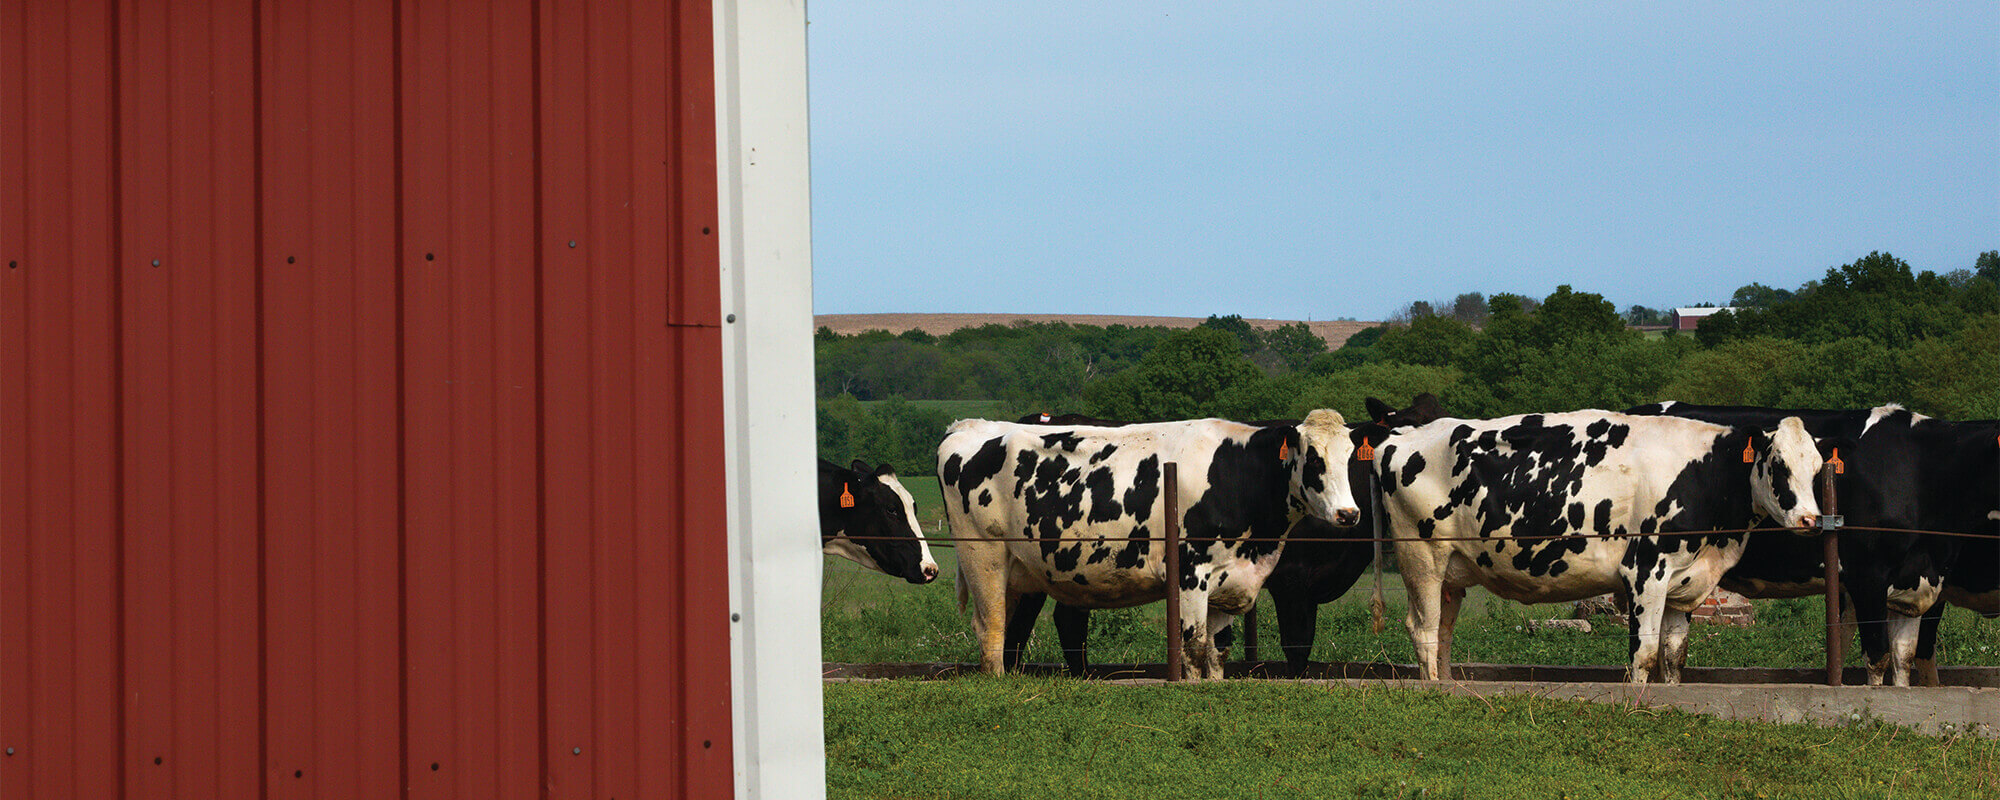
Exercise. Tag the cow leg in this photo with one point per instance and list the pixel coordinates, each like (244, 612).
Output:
(1644, 623)
(1423, 583)
(1871, 617)
(1298, 615)
(1198, 657)
(1903, 632)
(1426, 608)
(982, 579)
(1220, 625)
(1072, 627)
(1673, 645)
(1925, 662)
(1021, 623)
(1450, 600)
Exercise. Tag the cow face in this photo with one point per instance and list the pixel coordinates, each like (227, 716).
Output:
(1781, 482)
(883, 522)
(1320, 484)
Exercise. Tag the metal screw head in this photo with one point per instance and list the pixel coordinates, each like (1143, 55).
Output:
(10, 751)
(572, 242)
(735, 617)
(730, 318)
(156, 262)
(576, 751)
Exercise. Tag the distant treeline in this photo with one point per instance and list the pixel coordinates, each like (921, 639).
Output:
(1868, 333)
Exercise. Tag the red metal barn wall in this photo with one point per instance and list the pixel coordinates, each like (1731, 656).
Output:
(361, 381)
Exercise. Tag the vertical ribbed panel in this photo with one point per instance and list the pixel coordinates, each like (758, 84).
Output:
(469, 262)
(397, 474)
(331, 399)
(60, 655)
(187, 146)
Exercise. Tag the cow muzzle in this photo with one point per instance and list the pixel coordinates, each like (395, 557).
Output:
(928, 571)
(1346, 517)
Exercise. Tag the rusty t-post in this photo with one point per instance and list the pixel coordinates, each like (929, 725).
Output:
(1829, 538)
(1176, 653)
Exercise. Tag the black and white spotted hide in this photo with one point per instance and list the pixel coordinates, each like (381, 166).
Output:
(866, 516)
(1626, 501)
(1085, 500)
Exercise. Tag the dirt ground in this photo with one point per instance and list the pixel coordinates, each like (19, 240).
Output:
(1335, 332)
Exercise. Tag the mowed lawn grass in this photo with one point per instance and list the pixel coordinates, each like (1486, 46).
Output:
(1025, 737)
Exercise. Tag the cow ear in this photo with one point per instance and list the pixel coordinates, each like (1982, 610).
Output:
(885, 469)
(1378, 410)
(859, 466)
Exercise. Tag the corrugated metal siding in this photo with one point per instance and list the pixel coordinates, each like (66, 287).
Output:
(396, 472)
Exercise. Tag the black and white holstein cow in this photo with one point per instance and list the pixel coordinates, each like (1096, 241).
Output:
(1084, 502)
(1892, 461)
(1629, 504)
(1318, 564)
(867, 517)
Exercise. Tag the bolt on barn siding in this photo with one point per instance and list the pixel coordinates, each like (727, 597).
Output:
(373, 484)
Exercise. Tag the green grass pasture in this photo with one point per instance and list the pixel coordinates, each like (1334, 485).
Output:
(1036, 738)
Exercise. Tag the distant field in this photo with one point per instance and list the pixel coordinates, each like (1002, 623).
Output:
(1335, 332)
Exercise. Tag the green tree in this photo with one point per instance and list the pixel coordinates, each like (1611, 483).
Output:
(1430, 341)
(1347, 391)
(1469, 308)
(1758, 295)
(1957, 377)
(1295, 343)
(1733, 374)
(1987, 265)
(1180, 379)
(1247, 337)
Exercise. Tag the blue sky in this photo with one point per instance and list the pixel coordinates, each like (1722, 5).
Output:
(1323, 160)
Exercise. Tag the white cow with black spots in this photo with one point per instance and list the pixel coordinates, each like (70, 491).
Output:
(1625, 500)
(1240, 485)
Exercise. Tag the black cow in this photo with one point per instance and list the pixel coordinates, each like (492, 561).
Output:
(1892, 580)
(875, 509)
(1962, 495)
(1320, 562)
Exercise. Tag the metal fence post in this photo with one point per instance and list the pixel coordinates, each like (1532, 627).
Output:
(1175, 652)
(1830, 546)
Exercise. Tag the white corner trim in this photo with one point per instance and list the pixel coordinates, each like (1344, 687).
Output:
(766, 238)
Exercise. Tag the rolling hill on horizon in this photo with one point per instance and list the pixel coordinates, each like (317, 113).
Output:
(1335, 332)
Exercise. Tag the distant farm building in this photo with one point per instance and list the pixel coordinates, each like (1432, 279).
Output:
(1687, 319)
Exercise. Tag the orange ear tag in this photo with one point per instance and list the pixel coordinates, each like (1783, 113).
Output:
(1749, 455)
(1366, 452)
(1284, 451)
(1045, 416)
(846, 497)
(1839, 466)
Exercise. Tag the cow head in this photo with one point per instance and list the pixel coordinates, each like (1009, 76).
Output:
(1318, 461)
(1383, 420)
(1786, 462)
(873, 507)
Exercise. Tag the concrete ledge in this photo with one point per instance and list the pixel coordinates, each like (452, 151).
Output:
(1941, 710)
